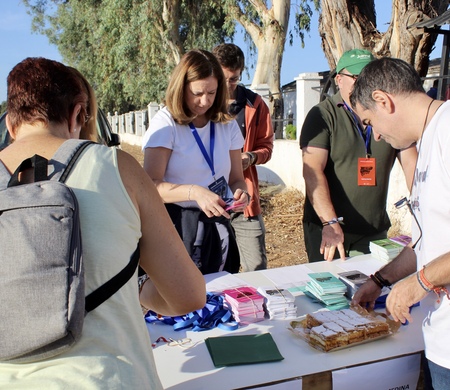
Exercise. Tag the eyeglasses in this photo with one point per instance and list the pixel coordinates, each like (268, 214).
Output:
(353, 76)
(234, 80)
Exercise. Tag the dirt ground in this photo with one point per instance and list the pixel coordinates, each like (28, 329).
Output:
(282, 213)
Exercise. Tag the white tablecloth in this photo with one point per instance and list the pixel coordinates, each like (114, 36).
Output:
(192, 368)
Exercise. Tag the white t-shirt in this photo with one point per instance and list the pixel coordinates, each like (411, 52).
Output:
(187, 165)
(430, 200)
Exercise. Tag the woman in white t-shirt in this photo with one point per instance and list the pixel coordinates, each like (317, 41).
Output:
(192, 152)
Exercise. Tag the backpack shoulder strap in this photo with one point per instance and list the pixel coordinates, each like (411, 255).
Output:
(65, 158)
(107, 290)
(62, 161)
(39, 165)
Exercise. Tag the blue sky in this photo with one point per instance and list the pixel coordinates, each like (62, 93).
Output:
(18, 42)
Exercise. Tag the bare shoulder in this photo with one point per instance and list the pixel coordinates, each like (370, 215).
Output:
(135, 179)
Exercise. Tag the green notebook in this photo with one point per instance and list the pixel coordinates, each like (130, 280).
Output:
(245, 349)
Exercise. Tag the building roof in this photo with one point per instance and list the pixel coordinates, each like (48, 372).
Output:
(435, 22)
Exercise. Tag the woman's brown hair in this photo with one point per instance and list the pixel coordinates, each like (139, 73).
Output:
(196, 65)
(43, 90)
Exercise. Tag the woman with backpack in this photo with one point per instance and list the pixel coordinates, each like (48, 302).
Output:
(119, 207)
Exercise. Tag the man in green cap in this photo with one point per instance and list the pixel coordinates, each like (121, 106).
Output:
(346, 172)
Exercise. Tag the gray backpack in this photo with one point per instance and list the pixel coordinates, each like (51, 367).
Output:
(42, 300)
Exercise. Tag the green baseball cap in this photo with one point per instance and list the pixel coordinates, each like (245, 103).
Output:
(354, 61)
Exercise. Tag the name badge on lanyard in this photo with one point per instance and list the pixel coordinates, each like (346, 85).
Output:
(220, 185)
(367, 171)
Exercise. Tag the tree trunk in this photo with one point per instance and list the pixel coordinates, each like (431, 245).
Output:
(270, 40)
(269, 37)
(350, 24)
(166, 17)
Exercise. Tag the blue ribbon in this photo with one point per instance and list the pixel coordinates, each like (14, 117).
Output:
(213, 315)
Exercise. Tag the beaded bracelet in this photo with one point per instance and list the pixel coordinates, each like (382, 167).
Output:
(422, 284)
(333, 221)
(428, 286)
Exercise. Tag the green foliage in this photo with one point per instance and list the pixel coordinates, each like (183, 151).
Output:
(291, 132)
(127, 48)
(2, 107)
(123, 46)
(302, 19)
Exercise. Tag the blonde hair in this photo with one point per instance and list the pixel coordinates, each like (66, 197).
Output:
(196, 65)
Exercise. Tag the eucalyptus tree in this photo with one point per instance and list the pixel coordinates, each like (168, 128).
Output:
(266, 24)
(127, 48)
(348, 24)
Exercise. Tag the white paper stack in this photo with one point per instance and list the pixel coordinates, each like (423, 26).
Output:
(385, 249)
(327, 289)
(245, 303)
(279, 304)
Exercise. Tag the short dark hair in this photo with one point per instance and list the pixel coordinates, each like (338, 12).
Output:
(230, 56)
(390, 75)
(43, 90)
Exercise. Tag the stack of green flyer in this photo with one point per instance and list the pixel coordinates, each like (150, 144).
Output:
(385, 249)
(327, 289)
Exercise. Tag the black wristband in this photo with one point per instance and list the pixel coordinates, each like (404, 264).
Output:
(383, 281)
(376, 281)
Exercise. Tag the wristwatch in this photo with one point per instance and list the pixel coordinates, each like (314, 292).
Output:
(253, 157)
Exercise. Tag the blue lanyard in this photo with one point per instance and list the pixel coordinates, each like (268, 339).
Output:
(365, 138)
(212, 132)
